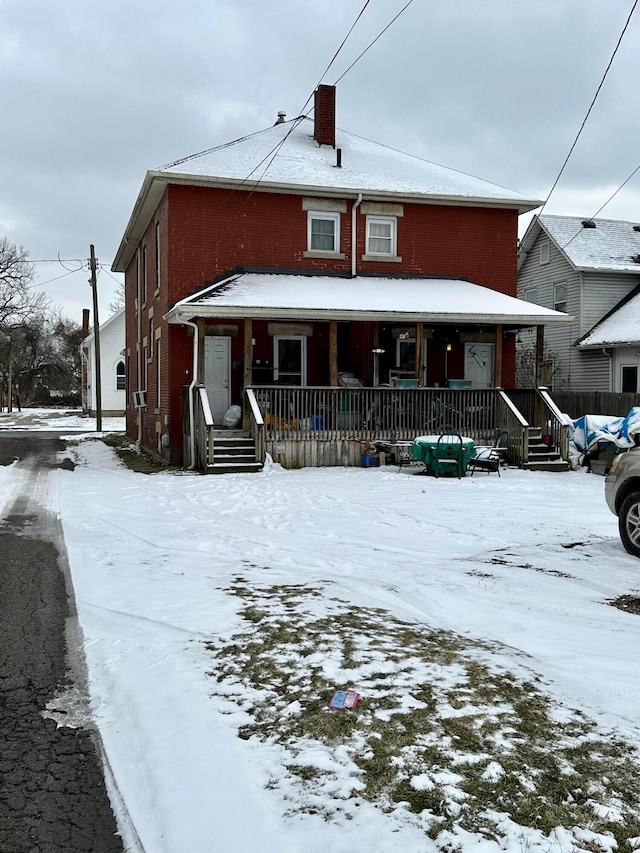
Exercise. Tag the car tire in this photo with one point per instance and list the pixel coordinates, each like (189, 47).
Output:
(629, 523)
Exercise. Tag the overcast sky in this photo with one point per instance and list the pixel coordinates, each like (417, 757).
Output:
(95, 92)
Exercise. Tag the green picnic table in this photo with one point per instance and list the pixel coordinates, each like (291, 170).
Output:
(424, 450)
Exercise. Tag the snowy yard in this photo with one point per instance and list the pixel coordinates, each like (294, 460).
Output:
(499, 687)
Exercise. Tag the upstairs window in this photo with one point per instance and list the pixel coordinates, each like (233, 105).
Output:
(157, 256)
(560, 296)
(544, 252)
(121, 376)
(323, 231)
(381, 235)
(531, 295)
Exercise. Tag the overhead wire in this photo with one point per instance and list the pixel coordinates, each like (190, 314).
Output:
(595, 97)
(371, 44)
(271, 155)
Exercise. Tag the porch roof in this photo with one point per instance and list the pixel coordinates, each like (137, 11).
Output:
(316, 297)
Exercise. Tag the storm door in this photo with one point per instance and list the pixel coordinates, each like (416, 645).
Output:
(290, 360)
(217, 376)
(478, 364)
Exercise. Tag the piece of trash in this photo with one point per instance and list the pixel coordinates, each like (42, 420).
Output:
(344, 700)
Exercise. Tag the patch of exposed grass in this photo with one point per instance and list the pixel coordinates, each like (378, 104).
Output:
(441, 728)
(135, 459)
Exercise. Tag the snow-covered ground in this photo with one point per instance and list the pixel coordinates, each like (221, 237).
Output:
(219, 613)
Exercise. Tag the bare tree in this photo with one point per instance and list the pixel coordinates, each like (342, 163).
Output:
(118, 300)
(17, 300)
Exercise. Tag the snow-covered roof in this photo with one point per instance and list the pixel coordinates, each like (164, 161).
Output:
(618, 328)
(286, 158)
(115, 317)
(277, 295)
(610, 246)
(367, 167)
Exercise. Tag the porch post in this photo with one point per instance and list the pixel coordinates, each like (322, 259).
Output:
(200, 376)
(539, 354)
(498, 365)
(419, 345)
(247, 374)
(333, 353)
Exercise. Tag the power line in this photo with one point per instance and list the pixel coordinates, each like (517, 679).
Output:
(392, 21)
(575, 141)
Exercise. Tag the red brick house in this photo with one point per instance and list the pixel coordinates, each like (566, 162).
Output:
(277, 269)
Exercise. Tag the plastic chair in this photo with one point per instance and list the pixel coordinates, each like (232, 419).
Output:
(490, 459)
(448, 456)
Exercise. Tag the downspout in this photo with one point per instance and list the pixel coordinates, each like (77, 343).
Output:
(194, 379)
(355, 207)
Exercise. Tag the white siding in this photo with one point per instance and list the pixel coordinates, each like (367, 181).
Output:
(601, 292)
(543, 277)
(111, 345)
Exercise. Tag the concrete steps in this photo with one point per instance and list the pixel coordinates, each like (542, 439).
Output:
(234, 453)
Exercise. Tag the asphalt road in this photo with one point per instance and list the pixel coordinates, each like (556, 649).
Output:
(53, 797)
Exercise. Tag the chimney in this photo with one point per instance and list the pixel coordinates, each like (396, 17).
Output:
(324, 128)
(281, 117)
(85, 323)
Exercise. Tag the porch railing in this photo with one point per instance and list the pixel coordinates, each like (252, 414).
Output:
(324, 413)
(256, 424)
(203, 429)
(512, 420)
(540, 411)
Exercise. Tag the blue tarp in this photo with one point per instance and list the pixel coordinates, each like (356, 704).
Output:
(591, 432)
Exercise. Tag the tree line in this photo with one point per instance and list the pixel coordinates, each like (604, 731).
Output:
(39, 346)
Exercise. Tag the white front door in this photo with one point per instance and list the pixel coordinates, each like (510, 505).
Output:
(217, 374)
(478, 364)
(290, 360)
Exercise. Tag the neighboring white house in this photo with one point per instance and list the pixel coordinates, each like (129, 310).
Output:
(589, 268)
(112, 366)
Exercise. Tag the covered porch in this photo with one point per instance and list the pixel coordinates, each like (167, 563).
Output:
(321, 364)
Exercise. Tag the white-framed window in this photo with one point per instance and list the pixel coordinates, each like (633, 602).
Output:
(629, 378)
(121, 376)
(323, 231)
(144, 275)
(560, 296)
(158, 376)
(382, 235)
(157, 256)
(531, 294)
(544, 252)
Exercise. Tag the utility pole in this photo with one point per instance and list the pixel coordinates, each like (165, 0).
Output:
(10, 388)
(97, 380)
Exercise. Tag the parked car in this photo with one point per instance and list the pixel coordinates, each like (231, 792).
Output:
(622, 493)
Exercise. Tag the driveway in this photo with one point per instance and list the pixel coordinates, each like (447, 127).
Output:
(52, 790)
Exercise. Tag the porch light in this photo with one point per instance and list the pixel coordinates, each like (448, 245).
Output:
(449, 347)
(378, 351)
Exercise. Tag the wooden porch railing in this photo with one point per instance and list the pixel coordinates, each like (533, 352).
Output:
(537, 407)
(256, 425)
(512, 420)
(203, 429)
(384, 413)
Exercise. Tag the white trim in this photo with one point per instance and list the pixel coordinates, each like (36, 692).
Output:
(303, 356)
(557, 301)
(392, 221)
(325, 216)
